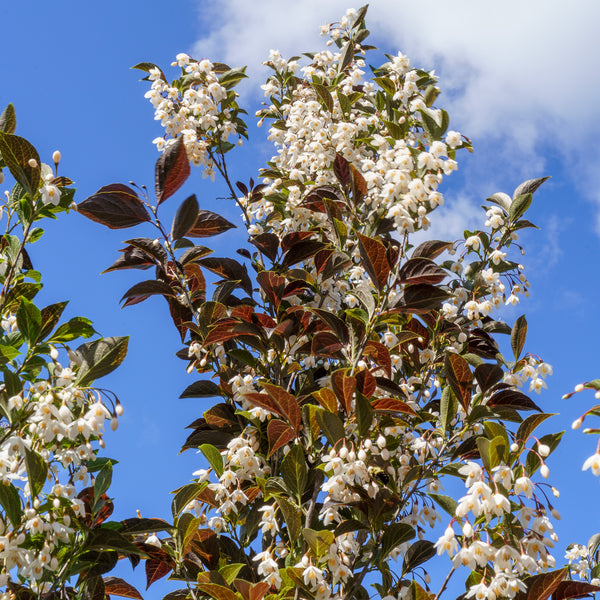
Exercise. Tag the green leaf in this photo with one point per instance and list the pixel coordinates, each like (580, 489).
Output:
(364, 414)
(102, 482)
(446, 502)
(214, 458)
(420, 552)
(184, 495)
(11, 503)
(294, 470)
(37, 470)
(331, 425)
(394, 535)
(187, 527)
(16, 153)
(50, 317)
(325, 97)
(8, 119)
(448, 408)
(230, 572)
(518, 335)
(318, 541)
(102, 538)
(519, 206)
(144, 525)
(292, 515)
(533, 463)
(29, 321)
(73, 329)
(99, 462)
(100, 357)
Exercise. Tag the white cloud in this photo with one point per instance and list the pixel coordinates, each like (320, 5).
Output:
(519, 78)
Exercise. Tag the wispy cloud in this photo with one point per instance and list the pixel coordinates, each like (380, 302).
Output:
(519, 78)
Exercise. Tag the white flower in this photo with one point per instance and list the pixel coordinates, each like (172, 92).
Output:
(50, 193)
(593, 462)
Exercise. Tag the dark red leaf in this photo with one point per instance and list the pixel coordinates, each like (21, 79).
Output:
(333, 323)
(365, 383)
(287, 403)
(229, 269)
(381, 355)
(301, 251)
(185, 217)
(273, 285)
(460, 378)
(574, 589)
(291, 239)
(208, 224)
(392, 405)
(327, 399)
(116, 206)
(324, 344)
(359, 185)
(512, 399)
(156, 568)
(279, 434)
(374, 260)
(419, 298)
(264, 401)
(132, 258)
(221, 416)
(341, 169)
(541, 587)
(119, 587)
(421, 270)
(488, 375)
(148, 288)
(172, 170)
(431, 249)
(152, 248)
(267, 244)
(343, 386)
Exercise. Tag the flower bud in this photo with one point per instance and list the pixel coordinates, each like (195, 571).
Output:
(32, 163)
(56, 156)
(544, 471)
(579, 387)
(576, 424)
(119, 409)
(114, 423)
(514, 447)
(53, 353)
(543, 449)
(555, 513)
(555, 492)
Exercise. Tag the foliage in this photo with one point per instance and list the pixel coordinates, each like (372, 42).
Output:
(357, 364)
(55, 540)
(357, 372)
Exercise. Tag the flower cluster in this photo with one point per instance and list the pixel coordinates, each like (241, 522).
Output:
(199, 107)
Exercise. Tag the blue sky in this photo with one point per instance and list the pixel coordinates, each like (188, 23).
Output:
(520, 81)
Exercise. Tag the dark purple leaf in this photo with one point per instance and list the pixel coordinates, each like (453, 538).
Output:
(172, 170)
(208, 224)
(185, 217)
(117, 206)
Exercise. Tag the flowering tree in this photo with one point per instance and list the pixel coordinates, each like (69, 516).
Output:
(55, 540)
(359, 372)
